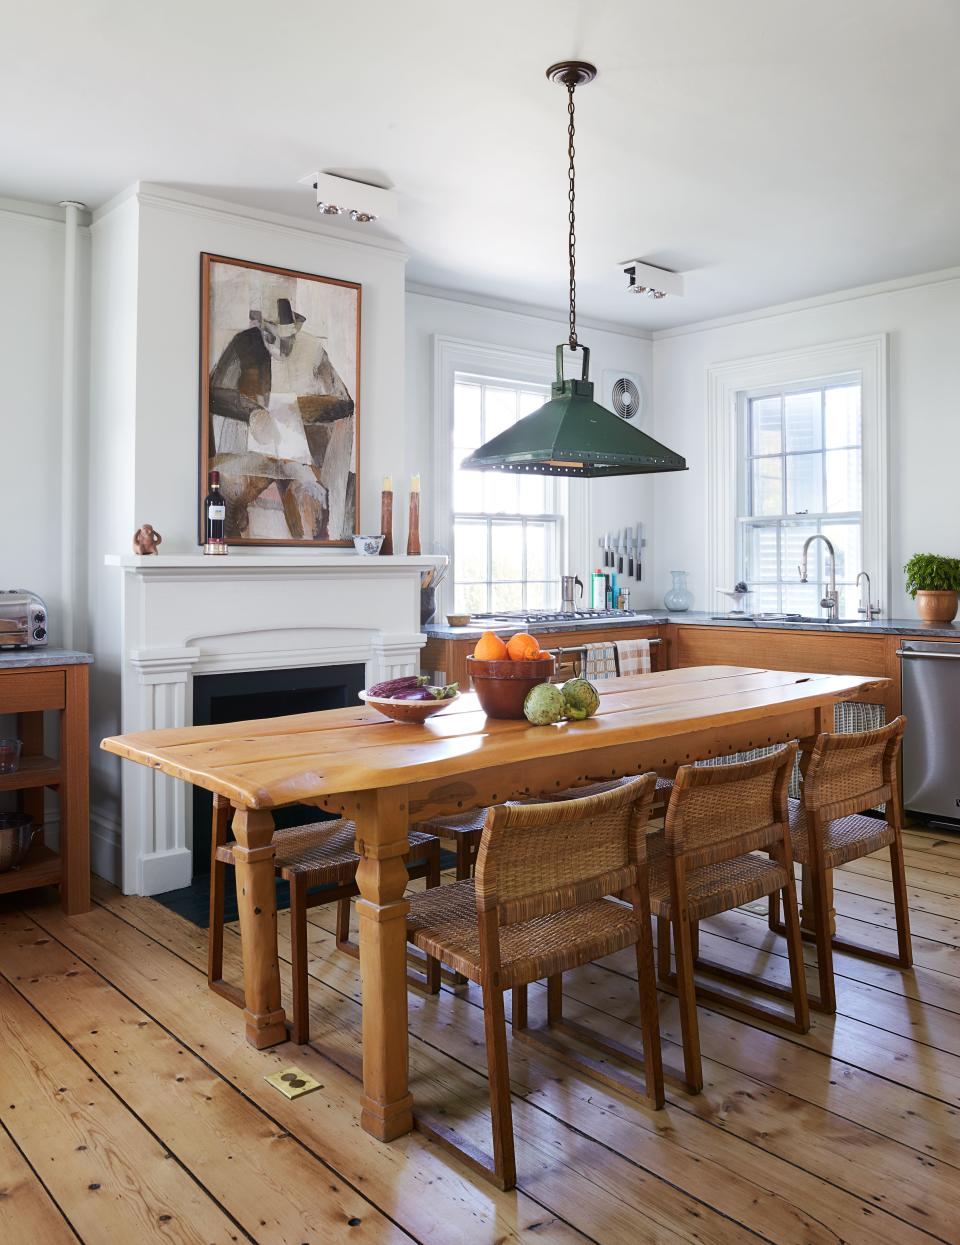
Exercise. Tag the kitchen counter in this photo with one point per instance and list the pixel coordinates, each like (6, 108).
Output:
(442, 631)
(699, 618)
(12, 658)
(881, 626)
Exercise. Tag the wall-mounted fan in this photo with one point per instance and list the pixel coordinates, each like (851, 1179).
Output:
(623, 394)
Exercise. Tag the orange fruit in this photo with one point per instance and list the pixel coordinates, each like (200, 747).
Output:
(490, 648)
(523, 647)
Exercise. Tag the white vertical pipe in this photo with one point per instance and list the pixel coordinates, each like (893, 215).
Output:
(70, 518)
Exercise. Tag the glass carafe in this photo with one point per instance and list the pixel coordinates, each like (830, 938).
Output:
(679, 598)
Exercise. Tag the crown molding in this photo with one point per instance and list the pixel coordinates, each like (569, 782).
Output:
(526, 311)
(938, 277)
(39, 213)
(166, 198)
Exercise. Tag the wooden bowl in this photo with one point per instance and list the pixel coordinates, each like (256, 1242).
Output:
(502, 686)
(458, 620)
(407, 710)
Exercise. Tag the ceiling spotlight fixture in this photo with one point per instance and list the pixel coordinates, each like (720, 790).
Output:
(571, 435)
(656, 282)
(361, 202)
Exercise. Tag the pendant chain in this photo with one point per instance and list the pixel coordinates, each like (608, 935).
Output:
(572, 219)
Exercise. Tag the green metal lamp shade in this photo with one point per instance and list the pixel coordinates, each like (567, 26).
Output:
(571, 435)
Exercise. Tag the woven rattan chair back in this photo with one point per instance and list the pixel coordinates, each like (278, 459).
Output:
(538, 859)
(719, 812)
(851, 772)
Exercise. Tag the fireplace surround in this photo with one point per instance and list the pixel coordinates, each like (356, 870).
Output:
(187, 616)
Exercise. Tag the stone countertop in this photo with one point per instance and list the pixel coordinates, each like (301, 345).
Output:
(699, 618)
(23, 658)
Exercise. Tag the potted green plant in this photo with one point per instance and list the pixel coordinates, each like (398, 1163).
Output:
(933, 582)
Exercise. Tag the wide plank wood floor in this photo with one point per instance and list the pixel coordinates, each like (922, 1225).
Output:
(132, 1111)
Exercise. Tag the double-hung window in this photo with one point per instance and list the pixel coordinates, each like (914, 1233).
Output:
(800, 474)
(507, 528)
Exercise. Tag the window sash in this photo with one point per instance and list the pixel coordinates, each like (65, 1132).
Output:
(533, 593)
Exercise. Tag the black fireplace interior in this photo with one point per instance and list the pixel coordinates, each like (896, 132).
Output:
(240, 697)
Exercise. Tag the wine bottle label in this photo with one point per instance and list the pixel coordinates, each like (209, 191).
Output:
(216, 512)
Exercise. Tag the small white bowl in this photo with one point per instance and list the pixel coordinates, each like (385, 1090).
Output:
(369, 546)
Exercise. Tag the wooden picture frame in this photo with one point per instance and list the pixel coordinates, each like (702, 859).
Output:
(280, 402)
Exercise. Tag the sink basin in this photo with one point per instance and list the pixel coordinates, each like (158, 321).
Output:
(824, 622)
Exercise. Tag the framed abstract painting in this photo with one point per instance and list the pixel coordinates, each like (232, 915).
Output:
(280, 402)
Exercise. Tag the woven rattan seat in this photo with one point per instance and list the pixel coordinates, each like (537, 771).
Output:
(717, 887)
(844, 838)
(536, 907)
(320, 864)
(846, 774)
(443, 923)
(322, 853)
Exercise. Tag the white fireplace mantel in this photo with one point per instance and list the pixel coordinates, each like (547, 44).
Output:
(185, 615)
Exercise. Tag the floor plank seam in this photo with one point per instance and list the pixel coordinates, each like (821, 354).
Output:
(40, 1180)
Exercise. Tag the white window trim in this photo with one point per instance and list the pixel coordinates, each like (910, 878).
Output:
(865, 357)
(452, 355)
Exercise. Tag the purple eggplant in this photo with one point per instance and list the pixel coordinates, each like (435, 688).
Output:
(391, 689)
(413, 693)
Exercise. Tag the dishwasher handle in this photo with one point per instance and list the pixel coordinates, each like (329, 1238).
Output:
(912, 652)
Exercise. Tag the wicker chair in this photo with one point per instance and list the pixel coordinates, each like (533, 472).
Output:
(536, 908)
(845, 775)
(464, 829)
(317, 855)
(705, 862)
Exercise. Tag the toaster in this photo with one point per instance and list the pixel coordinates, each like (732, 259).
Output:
(23, 619)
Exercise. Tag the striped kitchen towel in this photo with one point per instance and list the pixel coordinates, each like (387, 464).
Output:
(634, 656)
(600, 661)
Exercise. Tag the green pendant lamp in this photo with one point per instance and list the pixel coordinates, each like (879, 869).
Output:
(571, 435)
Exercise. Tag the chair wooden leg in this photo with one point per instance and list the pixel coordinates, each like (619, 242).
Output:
(663, 948)
(901, 903)
(827, 1001)
(773, 912)
(649, 1015)
(695, 940)
(555, 999)
(343, 927)
(798, 975)
(215, 931)
(464, 856)
(298, 946)
(501, 1113)
(686, 985)
(519, 1008)
(433, 879)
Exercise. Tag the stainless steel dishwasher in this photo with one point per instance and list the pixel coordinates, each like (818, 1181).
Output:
(930, 685)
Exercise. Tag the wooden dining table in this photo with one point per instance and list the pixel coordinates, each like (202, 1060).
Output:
(386, 775)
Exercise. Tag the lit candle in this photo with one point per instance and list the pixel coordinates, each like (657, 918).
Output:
(415, 484)
(388, 484)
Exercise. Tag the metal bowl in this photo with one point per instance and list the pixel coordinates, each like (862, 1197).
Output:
(16, 835)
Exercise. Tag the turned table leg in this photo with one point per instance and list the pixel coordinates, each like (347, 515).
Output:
(381, 910)
(257, 901)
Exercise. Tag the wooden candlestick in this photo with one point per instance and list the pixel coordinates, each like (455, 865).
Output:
(386, 516)
(413, 523)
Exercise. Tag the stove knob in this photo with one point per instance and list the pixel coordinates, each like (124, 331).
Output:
(39, 633)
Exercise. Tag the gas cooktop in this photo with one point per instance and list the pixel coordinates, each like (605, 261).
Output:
(507, 617)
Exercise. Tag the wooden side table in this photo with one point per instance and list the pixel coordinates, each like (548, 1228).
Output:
(33, 682)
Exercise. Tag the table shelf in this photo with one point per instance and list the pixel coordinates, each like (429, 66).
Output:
(34, 772)
(40, 867)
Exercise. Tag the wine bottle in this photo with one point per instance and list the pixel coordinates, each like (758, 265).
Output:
(214, 518)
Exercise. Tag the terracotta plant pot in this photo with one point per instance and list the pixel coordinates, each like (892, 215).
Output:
(937, 607)
(502, 686)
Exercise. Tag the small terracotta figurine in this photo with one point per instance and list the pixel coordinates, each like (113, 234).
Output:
(146, 539)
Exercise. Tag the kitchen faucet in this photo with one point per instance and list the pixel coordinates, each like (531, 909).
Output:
(866, 606)
(830, 601)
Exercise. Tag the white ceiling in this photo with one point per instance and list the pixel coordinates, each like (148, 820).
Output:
(770, 149)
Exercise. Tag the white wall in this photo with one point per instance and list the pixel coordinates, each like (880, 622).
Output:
(612, 504)
(31, 348)
(923, 323)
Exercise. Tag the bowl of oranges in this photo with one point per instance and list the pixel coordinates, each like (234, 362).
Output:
(503, 671)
